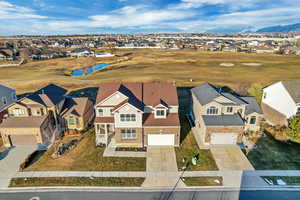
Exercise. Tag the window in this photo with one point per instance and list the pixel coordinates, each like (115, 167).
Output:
(100, 112)
(14, 96)
(100, 128)
(110, 112)
(128, 133)
(18, 112)
(160, 113)
(42, 111)
(253, 120)
(128, 117)
(212, 110)
(71, 120)
(298, 110)
(4, 100)
(229, 109)
(38, 112)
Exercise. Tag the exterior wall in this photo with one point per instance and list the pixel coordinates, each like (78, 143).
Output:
(162, 130)
(278, 98)
(106, 111)
(128, 110)
(253, 127)
(138, 141)
(273, 116)
(8, 94)
(5, 132)
(199, 124)
(224, 129)
(47, 131)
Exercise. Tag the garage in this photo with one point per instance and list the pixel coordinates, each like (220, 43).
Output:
(161, 139)
(223, 138)
(22, 140)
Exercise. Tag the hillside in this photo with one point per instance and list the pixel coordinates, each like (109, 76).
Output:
(280, 29)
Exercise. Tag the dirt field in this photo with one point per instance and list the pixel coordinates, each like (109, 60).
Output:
(186, 67)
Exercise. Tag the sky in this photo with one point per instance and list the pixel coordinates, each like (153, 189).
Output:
(52, 17)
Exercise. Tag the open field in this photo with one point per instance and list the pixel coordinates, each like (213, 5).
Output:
(86, 157)
(77, 181)
(150, 65)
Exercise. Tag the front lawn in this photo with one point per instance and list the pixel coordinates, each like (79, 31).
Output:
(86, 157)
(77, 181)
(189, 148)
(203, 181)
(272, 154)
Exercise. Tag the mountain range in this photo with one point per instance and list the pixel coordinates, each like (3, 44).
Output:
(280, 29)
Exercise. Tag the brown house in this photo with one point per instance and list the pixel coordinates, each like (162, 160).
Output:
(137, 114)
(78, 113)
(34, 119)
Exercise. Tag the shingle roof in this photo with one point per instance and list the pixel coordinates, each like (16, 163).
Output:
(23, 122)
(49, 95)
(172, 119)
(77, 106)
(205, 93)
(234, 98)
(223, 120)
(293, 87)
(252, 106)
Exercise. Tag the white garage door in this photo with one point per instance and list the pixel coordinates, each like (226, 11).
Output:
(161, 139)
(223, 138)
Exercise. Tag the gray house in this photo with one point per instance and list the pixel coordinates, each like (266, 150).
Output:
(222, 117)
(7, 97)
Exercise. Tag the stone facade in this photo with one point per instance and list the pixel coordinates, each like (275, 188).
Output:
(138, 141)
(273, 116)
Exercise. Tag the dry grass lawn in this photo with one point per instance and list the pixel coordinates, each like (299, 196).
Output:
(151, 65)
(77, 181)
(86, 157)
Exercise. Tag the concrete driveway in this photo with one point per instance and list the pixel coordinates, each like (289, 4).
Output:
(163, 160)
(230, 157)
(10, 161)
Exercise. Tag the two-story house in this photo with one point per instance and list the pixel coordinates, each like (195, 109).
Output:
(7, 97)
(137, 114)
(222, 117)
(33, 119)
(281, 101)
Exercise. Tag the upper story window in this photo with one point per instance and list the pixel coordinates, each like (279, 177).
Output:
(14, 96)
(18, 112)
(160, 113)
(4, 100)
(212, 110)
(128, 117)
(71, 120)
(100, 112)
(253, 120)
(229, 109)
(265, 95)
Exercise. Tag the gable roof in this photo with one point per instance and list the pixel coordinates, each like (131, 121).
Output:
(252, 106)
(207, 93)
(76, 106)
(293, 87)
(49, 96)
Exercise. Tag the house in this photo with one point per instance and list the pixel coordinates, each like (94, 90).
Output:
(7, 97)
(281, 101)
(223, 117)
(78, 113)
(35, 118)
(82, 52)
(137, 114)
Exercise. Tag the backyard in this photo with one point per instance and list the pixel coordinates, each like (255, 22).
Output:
(86, 157)
(272, 154)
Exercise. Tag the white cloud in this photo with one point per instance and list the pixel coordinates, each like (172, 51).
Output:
(128, 16)
(12, 11)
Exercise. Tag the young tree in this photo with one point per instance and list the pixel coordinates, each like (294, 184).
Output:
(256, 91)
(293, 131)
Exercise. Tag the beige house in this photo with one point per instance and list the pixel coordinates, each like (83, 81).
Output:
(222, 117)
(34, 118)
(137, 115)
(78, 113)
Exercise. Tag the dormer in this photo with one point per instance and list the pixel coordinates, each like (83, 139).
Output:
(160, 111)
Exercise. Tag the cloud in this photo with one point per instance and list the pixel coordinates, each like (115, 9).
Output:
(128, 16)
(12, 11)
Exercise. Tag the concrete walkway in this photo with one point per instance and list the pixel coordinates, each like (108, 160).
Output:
(10, 162)
(111, 152)
(162, 160)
